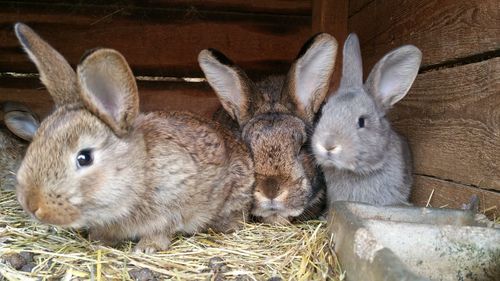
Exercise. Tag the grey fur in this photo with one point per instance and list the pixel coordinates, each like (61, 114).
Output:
(371, 164)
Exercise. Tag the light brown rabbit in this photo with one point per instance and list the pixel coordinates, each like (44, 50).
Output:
(98, 162)
(275, 118)
(20, 126)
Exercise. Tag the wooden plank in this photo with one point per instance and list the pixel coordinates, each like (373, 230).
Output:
(288, 7)
(331, 16)
(284, 7)
(167, 96)
(452, 120)
(157, 42)
(452, 195)
(443, 29)
(355, 6)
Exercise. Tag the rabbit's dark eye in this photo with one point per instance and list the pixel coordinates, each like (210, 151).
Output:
(84, 158)
(361, 122)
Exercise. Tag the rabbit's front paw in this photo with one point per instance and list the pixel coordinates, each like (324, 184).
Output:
(152, 244)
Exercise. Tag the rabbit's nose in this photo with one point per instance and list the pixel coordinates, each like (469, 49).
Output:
(330, 147)
(32, 205)
(271, 188)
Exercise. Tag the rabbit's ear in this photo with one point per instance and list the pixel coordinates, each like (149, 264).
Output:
(23, 123)
(55, 72)
(308, 80)
(230, 83)
(108, 89)
(352, 65)
(392, 77)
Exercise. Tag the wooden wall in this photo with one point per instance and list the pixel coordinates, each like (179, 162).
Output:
(452, 113)
(451, 116)
(160, 39)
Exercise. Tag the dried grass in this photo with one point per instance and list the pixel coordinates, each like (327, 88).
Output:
(257, 252)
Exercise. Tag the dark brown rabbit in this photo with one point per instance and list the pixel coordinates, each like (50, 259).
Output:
(275, 118)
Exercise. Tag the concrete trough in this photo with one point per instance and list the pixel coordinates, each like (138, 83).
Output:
(410, 243)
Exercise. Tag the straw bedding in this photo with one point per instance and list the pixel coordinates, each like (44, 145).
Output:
(257, 252)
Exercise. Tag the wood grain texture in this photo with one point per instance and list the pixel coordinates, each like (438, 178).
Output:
(331, 16)
(355, 6)
(443, 29)
(452, 195)
(155, 41)
(284, 7)
(167, 96)
(452, 120)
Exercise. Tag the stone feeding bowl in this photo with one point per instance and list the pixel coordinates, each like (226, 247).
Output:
(410, 243)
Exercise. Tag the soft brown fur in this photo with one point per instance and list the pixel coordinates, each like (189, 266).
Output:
(275, 118)
(153, 175)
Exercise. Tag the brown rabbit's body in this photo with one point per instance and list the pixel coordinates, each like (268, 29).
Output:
(204, 172)
(97, 162)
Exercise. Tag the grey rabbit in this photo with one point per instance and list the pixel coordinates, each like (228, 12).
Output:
(20, 126)
(362, 158)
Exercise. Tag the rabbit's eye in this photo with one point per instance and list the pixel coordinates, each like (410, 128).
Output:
(361, 122)
(84, 158)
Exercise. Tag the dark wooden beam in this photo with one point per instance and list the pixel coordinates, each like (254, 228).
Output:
(167, 96)
(331, 16)
(156, 41)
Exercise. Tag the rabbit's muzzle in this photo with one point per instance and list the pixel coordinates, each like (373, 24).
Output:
(47, 208)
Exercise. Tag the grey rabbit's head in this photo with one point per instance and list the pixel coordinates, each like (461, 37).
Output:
(353, 132)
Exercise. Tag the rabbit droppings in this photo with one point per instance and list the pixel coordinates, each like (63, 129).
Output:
(362, 158)
(275, 119)
(97, 162)
(20, 126)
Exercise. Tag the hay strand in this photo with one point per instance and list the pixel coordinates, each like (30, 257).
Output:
(256, 252)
